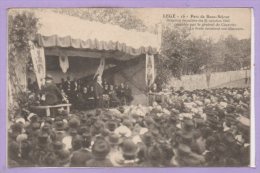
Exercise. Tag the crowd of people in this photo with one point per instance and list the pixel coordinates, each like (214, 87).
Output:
(208, 127)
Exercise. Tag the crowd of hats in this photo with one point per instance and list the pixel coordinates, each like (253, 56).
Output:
(191, 128)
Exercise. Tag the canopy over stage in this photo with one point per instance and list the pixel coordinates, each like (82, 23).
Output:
(64, 31)
(89, 41)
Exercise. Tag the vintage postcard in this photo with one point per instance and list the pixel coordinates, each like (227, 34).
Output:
(130, 87)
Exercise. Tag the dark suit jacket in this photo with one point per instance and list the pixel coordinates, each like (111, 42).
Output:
(98, 90)
(52, 94)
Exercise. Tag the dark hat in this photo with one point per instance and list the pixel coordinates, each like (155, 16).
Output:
(98, 111)
(46, 127)
(43, 139)
(147, 138)
(64, 157)
(73, 131)
(86, 137)
(183, 149)
(98, 124)
(148, 120)
(59, 125)
(186, 137)
(199, 121)
(84, 119)
(77, 142)
(212, 120)
(128, 123)
(100, 148)
(74, 123)
(229, 138)
(17, 128)
(221, 148)
(36, 126)
(231, 119)
(173, 119)
(13, 148)
(230, 108)
(111, 125)
(113, 139)
(243, 128)
(211, 113)
(48, 120)
(58, 145)
(188, 123)
(83, 129)
(121, 109)
(155, 154)
(129, 148)
(155, 132)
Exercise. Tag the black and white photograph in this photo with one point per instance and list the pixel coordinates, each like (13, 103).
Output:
(129, 87)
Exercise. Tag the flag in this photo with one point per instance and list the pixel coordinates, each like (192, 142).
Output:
(100, 68)
(38, 59)
(149, 70)
(64, 62)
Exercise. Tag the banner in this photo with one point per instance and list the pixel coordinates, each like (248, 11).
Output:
(64, 62)
(38, 59)
(149, 70)
(100, 68)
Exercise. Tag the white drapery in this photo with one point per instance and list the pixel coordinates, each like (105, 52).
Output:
(38, 59)
(64, 62)
(149, 70)
(100, 68)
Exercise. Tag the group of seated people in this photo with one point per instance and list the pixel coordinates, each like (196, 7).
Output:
(82, 94)
(208, 127)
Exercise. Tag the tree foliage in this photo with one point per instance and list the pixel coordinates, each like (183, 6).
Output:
(185, 55)
(116, 16)
(22, 27)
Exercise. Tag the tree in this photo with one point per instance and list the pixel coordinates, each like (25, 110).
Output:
(173, 49)
(22, 27)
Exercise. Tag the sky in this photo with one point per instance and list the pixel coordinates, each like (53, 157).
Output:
(239, 16)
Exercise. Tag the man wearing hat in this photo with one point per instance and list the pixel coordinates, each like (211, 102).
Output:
(51, 91)
(128, 155)
(100, 150)
(81, 156)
